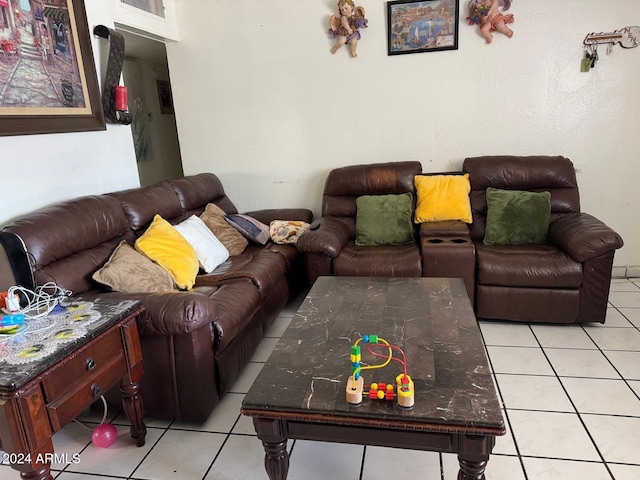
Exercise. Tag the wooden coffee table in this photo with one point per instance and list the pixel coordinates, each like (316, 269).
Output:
(300, 392)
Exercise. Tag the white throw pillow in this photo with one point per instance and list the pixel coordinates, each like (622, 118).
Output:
(210, 251)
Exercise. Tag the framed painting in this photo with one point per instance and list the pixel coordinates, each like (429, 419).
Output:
(164, 96)
(48, 81)
(422, 26)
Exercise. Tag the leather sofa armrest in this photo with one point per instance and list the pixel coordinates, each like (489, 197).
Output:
(444, 228)
(328, 238)
(268, 215)
(583, 236)
(170, 313)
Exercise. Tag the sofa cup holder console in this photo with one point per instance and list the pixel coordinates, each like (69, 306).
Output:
(449, 240)
(450, 256)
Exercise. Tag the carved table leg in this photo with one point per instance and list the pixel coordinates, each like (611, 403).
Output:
(471, 469)
(276, 460)
(134, 410)
(43, 473)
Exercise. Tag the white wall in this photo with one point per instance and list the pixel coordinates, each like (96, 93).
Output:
(261, 102)
(41, 169)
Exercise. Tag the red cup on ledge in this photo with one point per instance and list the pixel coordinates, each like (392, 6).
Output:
(121, 102)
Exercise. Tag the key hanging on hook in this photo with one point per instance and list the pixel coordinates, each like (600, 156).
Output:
(594, 55)
(609, 48)
(585, 63)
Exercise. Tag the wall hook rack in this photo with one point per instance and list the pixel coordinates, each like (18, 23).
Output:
(114, 111)
(627, 37)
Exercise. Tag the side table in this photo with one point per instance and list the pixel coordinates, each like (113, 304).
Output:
(39, 398)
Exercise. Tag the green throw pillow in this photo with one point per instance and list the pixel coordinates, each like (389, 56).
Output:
(515, 217)
(384, 220)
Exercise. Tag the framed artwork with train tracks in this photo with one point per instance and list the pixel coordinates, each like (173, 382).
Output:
(48, 81)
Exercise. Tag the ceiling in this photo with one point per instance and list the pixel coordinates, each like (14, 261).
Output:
(142, 48)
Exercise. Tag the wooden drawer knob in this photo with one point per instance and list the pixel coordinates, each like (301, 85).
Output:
(90, 363)
(96, 390)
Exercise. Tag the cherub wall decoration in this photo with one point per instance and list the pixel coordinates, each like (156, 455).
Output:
(488, 15)
(345, 27)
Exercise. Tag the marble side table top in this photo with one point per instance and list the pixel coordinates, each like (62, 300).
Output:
(41, 342)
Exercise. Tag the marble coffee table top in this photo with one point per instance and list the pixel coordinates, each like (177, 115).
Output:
(431, 319)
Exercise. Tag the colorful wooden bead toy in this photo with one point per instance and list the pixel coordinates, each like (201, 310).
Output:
(402, 391)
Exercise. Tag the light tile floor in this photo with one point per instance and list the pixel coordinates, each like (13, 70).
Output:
(571, 397)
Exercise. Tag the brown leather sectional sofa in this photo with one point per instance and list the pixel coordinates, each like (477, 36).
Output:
(564, 280)
(195, 343)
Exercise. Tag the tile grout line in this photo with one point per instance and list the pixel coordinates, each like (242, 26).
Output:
(226, 439)
(584, 425)
(364, 458)
(603, 353)
(504, 408)
(132, 475)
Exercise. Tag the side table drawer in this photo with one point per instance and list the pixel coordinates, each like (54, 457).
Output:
(85, 364)
(67, 407)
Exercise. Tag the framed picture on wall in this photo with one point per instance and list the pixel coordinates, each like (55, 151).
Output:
(422, 26)
(164, 95)
(154, 7)
(48, 81)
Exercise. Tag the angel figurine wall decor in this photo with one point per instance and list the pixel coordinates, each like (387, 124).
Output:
(488, 15)
(345, 27)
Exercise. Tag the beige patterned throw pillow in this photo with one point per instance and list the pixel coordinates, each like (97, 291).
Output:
(287, 231)
(213, 217)
(131, 272)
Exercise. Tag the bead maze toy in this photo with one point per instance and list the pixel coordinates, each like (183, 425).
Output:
(402, 390)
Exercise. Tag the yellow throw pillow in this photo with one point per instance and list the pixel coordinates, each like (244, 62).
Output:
(443, 197)
(163, 244)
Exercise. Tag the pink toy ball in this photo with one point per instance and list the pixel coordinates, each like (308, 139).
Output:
(104, 435)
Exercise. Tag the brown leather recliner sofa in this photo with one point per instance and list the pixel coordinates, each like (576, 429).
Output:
(195, 343)
(564, 280)
(331, 249)
(441, 248)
